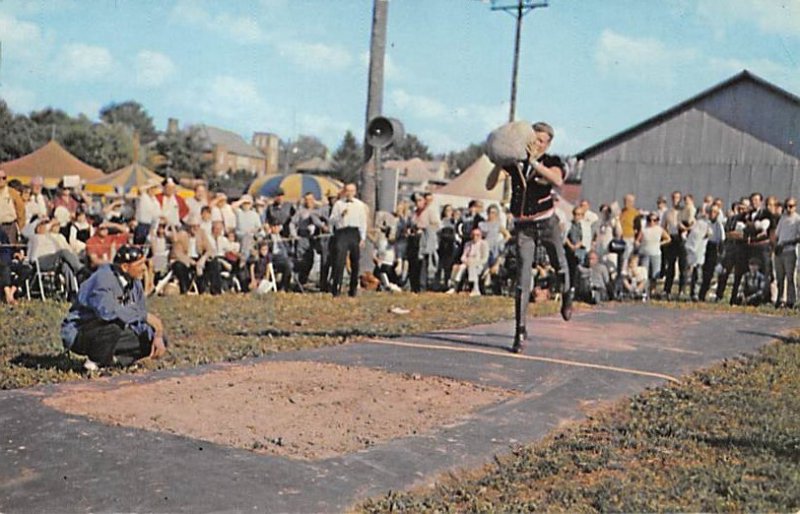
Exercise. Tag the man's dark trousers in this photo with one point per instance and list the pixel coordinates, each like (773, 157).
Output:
(100, 340)
(713, 251)
(674, 252)
(347, 242)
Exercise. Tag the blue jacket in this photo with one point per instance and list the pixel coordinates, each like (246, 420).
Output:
(111, 296)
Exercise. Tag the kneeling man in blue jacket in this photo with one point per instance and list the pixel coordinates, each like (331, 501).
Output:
(109, 320)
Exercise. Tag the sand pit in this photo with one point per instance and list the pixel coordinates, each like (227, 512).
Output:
(303, 410)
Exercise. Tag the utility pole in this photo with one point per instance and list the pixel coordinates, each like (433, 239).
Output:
(377, 52)
(518, 10)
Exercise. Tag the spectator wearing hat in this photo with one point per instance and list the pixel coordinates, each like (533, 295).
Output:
(191, 250)
(148, 211)
(226, 211)
(12, 209)
(110, 319)
(173, 207)
(37, 203)
(248, 222)
(280, 212)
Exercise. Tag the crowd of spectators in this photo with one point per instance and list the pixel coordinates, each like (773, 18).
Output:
(208, 244)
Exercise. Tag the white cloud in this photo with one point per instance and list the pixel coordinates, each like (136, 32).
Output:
(241, 29)
(316, 56)
(77, 62)
(419, 106)
(440, 141)
(642, 59)
(391, 70)
(153, 68)
(770, 16)
(324, 127)
(227, 98)
(19, 100)
(22, 40)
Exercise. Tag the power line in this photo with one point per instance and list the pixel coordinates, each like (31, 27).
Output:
(518, 10)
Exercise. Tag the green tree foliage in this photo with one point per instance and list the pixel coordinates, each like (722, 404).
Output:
(132, 115)
(18, 134)
(411, 146)
(463, 159)
(183, 155)
(102, 146)
(348, 158)
(302, 149)
(99, 145)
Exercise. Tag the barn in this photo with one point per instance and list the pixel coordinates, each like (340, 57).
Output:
(740, 136)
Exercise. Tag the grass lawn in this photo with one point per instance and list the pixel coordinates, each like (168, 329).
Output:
(724, 439)
(205, 329)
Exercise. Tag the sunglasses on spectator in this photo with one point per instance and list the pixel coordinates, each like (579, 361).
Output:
(791, 205)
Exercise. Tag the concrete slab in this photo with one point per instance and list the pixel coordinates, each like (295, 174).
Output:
(52, 462)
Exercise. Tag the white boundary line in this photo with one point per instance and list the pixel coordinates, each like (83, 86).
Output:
(528, 357)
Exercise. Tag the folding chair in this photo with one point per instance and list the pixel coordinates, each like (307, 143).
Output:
(51, 281)
(269, 283)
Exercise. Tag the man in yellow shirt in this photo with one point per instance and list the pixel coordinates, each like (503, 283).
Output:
(627, 220)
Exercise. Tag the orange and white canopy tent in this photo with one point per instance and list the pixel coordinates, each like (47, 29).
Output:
(471, 185)
(52, 162)
(128, 180)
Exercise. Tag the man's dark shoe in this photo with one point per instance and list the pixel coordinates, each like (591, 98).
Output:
(520, 336)
(566, 304)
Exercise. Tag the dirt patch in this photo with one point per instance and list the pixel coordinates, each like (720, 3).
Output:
(303, 410)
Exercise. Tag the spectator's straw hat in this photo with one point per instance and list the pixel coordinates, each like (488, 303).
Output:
(152, 184)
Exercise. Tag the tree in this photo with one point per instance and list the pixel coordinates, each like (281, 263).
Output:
(410, 147)
(302, 149)
(18, 134)
(183, 154)
(463, 159)
(348, 158)
(106, 147)
(132, 115)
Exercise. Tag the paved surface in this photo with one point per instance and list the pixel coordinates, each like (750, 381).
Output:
(53, 462)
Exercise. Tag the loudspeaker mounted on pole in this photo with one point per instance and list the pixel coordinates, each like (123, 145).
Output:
(383, 132)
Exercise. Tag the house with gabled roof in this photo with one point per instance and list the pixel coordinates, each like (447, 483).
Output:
(740, 136)
(230, 152)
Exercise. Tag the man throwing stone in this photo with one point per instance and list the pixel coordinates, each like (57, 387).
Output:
(535, 223)
(109, 319)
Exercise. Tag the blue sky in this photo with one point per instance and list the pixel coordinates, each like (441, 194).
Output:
(589, 67)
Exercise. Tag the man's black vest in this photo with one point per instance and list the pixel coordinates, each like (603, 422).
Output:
(530, 196)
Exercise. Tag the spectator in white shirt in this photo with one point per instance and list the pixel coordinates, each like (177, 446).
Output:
(248, 223)
(787, 236)
(148, 211)
(349, 218)
(199, 201)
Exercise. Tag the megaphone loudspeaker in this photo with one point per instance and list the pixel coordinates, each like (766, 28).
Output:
(383, 132)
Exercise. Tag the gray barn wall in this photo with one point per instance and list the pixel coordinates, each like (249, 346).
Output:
(695, 152)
